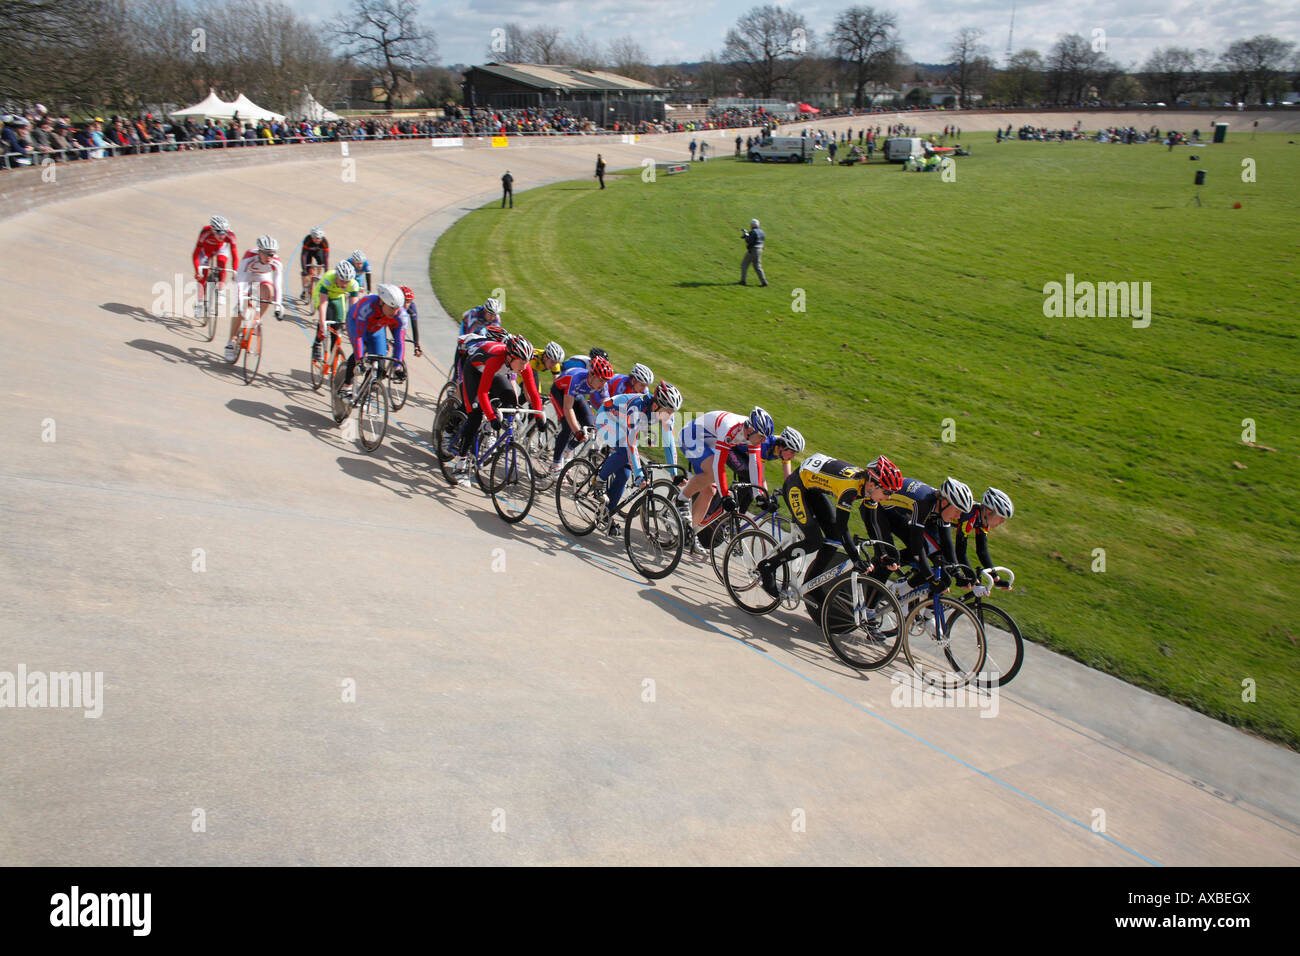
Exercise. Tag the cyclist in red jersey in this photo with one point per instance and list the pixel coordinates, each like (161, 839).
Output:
(213, 238)
(315, 251)
(483, 378)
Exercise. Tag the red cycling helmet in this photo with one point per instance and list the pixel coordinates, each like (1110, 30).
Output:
(600, 367)
(406, 291)
(886, 474)
(495, 333)
(519, 347)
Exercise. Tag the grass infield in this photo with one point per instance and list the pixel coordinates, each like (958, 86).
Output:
(923, 312)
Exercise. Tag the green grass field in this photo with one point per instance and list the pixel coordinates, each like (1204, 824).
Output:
(924, 302)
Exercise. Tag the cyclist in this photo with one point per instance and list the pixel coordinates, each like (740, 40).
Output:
(414, 316)
(591, 385)
(330, 298)
(362, 265)
(583, 361)
(628, 417)
(920, 516)
(485, 366)
(992, 511)
(481, 316)
(636, 382)
(315, 251)
(213, 238)
(260, 266)
(820, 496)
(368, 319)
(473, 322)
(494, 332)
(782, 447)
(710, 439)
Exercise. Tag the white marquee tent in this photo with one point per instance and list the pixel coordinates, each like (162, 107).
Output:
(250, 112)
(306, 107)
(211, 107)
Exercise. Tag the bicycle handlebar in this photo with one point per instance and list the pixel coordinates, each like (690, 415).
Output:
(524, 410)
(986, 576)
(895, 556)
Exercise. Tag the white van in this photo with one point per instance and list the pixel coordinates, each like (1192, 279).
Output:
(782, 149)
(902, 148)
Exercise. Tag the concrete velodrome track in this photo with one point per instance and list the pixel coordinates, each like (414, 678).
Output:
(502, 710)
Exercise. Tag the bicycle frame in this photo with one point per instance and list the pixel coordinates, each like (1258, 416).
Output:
(481, 456)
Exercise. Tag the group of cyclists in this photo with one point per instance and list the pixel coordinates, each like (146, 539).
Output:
(495, 369)
(820, 492)
(369, 320)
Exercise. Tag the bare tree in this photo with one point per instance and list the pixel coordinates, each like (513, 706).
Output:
(970, 63)
(581, 52)
(865, 39)
(385, 38)
(1171, 71)
(544, 45)
(766, 48)
(1255, 64)
(1072, 67)
(628, 58)
(1021, 83)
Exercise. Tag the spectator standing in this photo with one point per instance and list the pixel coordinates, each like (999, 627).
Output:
(737, 145)
(754, 240)
(694, 146)
(507, 190)
(831, 149)
(704, 151)
(600, 170)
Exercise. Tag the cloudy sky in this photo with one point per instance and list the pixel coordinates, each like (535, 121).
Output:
(685, 30)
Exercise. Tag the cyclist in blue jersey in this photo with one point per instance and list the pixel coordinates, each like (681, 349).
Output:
(624, 422)
(369, 320)
(481, 316)
(782, 448)
(636, 382)
(582, 361)
(362, 267)
(577, 395)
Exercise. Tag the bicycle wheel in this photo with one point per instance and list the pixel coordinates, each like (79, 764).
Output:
(511, 478)
(861, 621)
(446, 430)
(338, 405)
(448, 390)
(373, 415)
(398, 388)
(210, 310)
(318, 369)
(653, 536)
(727, 527)
(253, 353)
(948, 660)
(1004, 648)
(577, 498)
(740, 571)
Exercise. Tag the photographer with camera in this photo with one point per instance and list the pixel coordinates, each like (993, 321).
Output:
(754, 238)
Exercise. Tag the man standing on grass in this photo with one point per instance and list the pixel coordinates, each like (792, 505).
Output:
(600, 170)
(507, 190)
(753, 252)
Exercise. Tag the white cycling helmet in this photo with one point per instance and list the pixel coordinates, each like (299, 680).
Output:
(998, 503)
(958, 494)
(554, 354)
(358, 256)
(641, 373)
(753, 223)
(493, 306)
(219, 224)
(791, 439)
(344, 271)
(667, 396)
(267, 243)
(391, 296)
(318, 233)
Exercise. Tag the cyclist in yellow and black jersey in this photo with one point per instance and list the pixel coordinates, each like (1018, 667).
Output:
(820, 496)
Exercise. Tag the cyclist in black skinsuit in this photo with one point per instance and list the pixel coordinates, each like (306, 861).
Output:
(809, 494)
(919, 516)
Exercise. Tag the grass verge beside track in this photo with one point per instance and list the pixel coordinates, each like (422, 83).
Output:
(924, 303)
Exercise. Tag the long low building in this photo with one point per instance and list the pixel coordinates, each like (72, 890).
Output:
(602, 97)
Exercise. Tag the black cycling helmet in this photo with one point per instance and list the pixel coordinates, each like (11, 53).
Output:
(601, 353)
